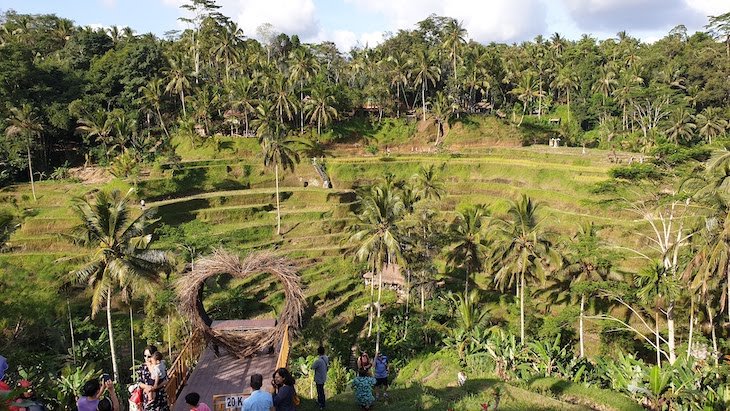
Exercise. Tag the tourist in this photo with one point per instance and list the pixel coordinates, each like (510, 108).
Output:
(363, 363)
(320, 367)
(363, 387)
(3, 367)
(259, 400)
(282, 390)
(193, 401)
(91, 397)
(381, 374)
(146, 381)
(158, 372)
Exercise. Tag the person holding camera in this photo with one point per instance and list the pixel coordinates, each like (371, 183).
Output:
(92, 393)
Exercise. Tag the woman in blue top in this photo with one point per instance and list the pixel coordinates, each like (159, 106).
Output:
(363, 386)
(283, 390)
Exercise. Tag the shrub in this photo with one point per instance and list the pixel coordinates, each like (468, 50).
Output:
(636, 172)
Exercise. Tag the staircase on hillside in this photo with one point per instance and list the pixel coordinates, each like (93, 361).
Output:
(326, 182)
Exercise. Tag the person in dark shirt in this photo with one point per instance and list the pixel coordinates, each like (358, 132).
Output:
(282, 390)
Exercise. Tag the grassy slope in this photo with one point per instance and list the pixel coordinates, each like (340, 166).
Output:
(224, 184)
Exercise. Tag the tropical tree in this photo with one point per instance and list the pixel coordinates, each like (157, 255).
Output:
(442, 111)
(152, 95)
(177, 80)
(469, 241)
(121, 258)
(566, 80)
(522, 251)
(655, 286)
(25, 123)
(423, 71)
(243, 98)
(681, 127)
(278, 150)
(710, 123)
(320, 106)
(377, 238)
(303, 66)
(226, 48)
(454, 38)
(428, 184)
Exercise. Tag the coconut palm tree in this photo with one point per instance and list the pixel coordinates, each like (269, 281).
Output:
(469, 241)
(585, 264)
(25, 123)
(178, 79)
(606, 83)
(710, 123)
(454, 38)
(100, 125)
(243, 99)
(226, 48)
(320, 106)
(121, 258)
(523, 252)
(566, 80)
(303, 66)
(442, 111)
(377, 238)
(681, 127)
(428, 184)
(278, 150)
(152, 95)
(281, 98)
(655, 287)
(423, 71)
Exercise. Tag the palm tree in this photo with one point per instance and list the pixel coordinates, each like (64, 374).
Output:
(424, 70)
(320, 106)
(282, 99)
(303, 66)
(177, 80)
(429, 185)
(606, 83)
(377, 237)
(278, 150)
(243, 98)
(585, 264)
(522, 251)
(454, 38)
(398, 73)
(121, 259)
(227, 38)
(442, 111)
(23, 122)
(656, 286)
(469, 318)
(710, 123)
(681, 127)
(525, 91)
(152, 95)
(100, 126)
(467, 233)
(566, 80)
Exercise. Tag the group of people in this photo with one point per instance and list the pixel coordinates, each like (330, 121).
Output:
(364, 384)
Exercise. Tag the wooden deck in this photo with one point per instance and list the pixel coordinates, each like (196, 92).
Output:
(227, 374)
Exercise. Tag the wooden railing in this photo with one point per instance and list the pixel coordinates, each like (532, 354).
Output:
(283, 359)
(179, 371)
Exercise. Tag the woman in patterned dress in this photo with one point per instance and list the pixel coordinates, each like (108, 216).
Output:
(145, 380)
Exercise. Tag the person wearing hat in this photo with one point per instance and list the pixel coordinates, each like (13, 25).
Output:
(381, 374)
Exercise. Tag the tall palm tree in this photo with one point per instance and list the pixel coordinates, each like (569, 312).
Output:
(526, 91)
(178, 80)
(585, 263)
(522, 251)
(122, 259)
(681, 127)
(567, 80)
(397, 68)
(320, 106)
(710, 123)
(25, 123)
(428, 184)
(100, 125)
(606, 83)
(454, 38)
(303, 66)
(442, 111)
(424, 70)
(152, 95)
(278, 150)
(226, 48)
(468, 236)
(243, 99)
(281, 98)
(656, 286)
(377, 236)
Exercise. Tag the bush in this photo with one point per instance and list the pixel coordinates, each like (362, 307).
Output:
(636, 172)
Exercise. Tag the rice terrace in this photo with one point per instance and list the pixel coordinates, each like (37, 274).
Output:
(239, 207)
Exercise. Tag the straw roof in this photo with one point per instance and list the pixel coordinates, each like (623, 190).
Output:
(391, 275)
(247, 342)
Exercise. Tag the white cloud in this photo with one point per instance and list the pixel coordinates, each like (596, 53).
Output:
(485, 21)
(287, 16)
(346, 39)
(109, 3)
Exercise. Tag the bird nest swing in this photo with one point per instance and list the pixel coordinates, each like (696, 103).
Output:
(241, 343)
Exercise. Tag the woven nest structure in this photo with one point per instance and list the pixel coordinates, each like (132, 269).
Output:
(242, 343)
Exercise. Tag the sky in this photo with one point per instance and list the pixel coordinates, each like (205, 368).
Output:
(361, 23)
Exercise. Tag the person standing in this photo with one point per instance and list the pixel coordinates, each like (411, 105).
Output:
(282, 390)
(381, 375)
(258, 400)
(320, 367)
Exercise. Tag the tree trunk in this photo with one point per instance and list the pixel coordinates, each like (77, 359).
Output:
(169, 338)
(32, 182)
(423, 97)
(111, 334)
(71, 326)
(670, 332)
(162, 122)
(372, 301)
(131, 332)
(423, 297)
(580, 326)
(466, 284)
(522, 308)
(408, 300)
(715, 352)
(301, 110)
(691, 323)
(656, 335)
(278, 206)
(182, 100)
(568, 106)
(380, 292)
(397, 99)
